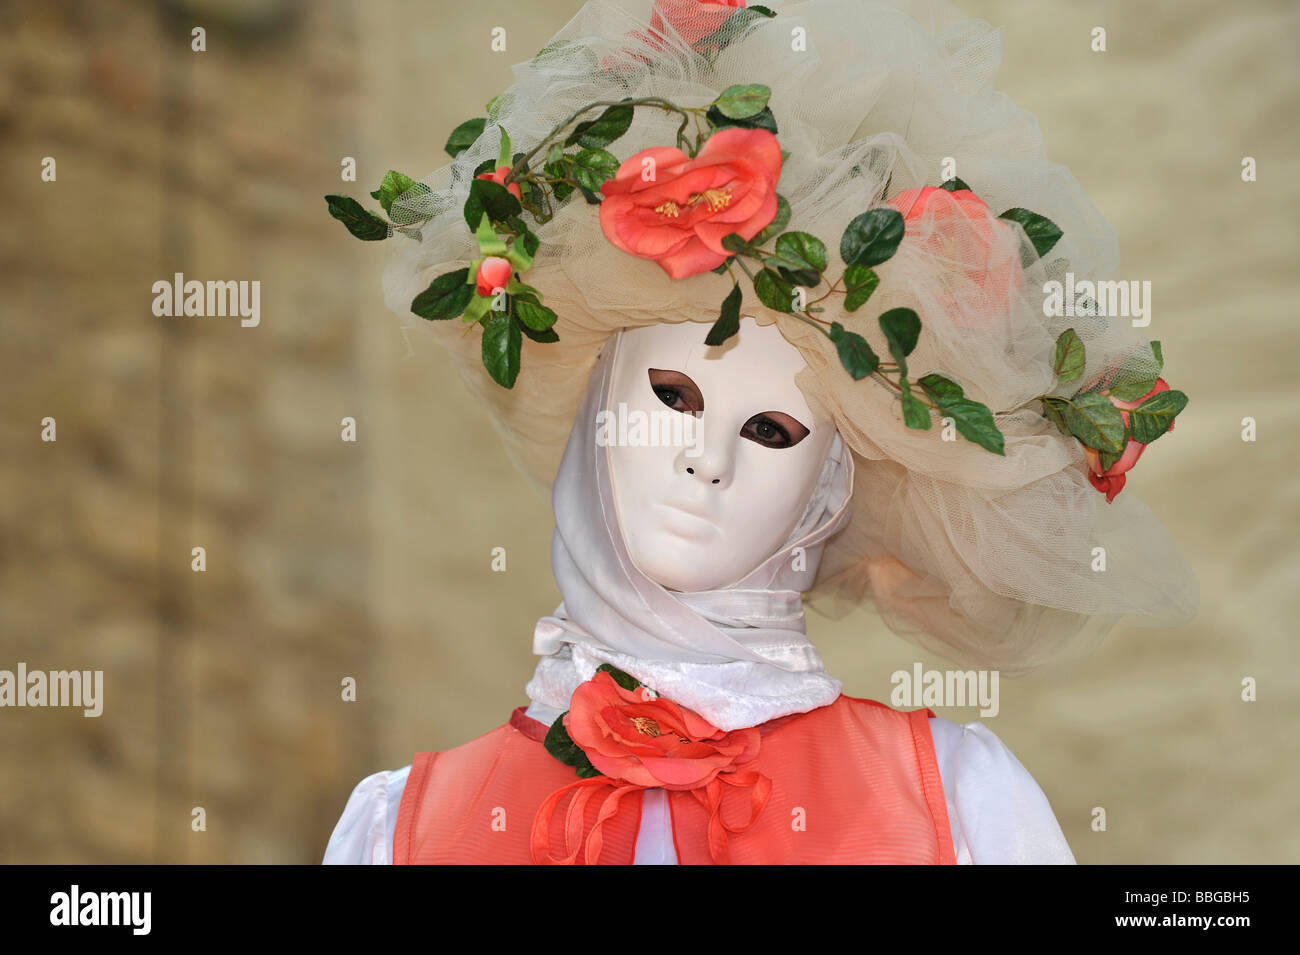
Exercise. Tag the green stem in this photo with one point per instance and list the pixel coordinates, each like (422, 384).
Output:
(668, 106)
(741, 262)
(830, 290)
(917, 392)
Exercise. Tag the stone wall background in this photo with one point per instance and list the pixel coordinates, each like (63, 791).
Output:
(370, 560)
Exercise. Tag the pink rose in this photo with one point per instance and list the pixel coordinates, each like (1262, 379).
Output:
(650, 741)
(493, 273)
(693, 19)
(959, 231)
(679, 216)
(499, 177)
(1111, 481)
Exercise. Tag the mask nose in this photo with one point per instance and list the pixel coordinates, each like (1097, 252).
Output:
(715, 463)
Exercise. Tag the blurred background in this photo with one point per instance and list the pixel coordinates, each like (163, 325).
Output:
(370, 560)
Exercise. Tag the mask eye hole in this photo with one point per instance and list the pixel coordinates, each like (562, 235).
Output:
(774, 429)
(676, 390)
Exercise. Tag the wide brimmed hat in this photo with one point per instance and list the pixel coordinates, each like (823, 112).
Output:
(990, 559)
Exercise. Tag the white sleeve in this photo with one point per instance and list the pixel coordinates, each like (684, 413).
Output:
(997, 813)
(364, 834)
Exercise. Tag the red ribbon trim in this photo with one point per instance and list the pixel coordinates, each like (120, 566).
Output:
(591, 843)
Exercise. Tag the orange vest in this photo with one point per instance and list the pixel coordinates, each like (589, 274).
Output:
(851, 782)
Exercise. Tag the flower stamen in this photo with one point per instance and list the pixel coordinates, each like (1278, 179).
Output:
(715, 198)
(646, 726)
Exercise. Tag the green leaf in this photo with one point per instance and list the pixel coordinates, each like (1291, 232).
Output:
(915, 413)
(489, 243)
(361, 223)
(859, 281)
(1159, 353)
(1052, 413)
(1107, 459)
(735, 242)
(501, 344)
(774, 291)
(1069, 360)
(591, 167)
(394, 184)
(855, 354)
(1155, 416)
(524, 247)
(545, 337)
(527, 237)
(953, 184)
(728, 322)
(1042, 232)
(1135, 388)
(604, 129)
(872, 237)
(534, 316)
(446, 297)
(479, 306)
(779, 222)
(973, 420)
(560, 744)
(763, 119)
(800, 251)
(503, 155)
(464, 135)
(743, 100)
(800, 258)
(805, 277)
(523, 290)
(622, 679)
(518, 257)
(732, 28)
(902, 327)
(492, 198)
(941, 388)
(1093, 420)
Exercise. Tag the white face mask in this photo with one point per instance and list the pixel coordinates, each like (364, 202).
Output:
(703, 505)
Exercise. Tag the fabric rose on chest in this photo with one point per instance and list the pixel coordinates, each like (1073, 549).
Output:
(634, 736)
(663, 206)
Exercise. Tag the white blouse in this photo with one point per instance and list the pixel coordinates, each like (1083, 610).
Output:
(997, 813)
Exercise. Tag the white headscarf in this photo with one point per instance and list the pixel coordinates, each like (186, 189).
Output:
(738, 656)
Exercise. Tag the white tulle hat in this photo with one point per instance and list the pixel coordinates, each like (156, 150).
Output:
(991, 560)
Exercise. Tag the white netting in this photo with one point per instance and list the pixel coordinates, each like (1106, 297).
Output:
(987, 559)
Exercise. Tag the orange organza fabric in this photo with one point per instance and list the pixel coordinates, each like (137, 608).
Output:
(852, 782)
